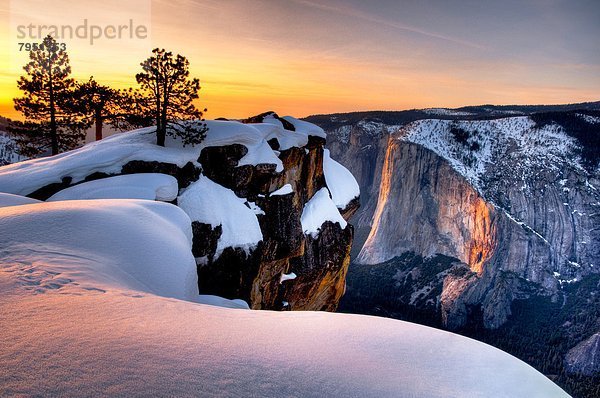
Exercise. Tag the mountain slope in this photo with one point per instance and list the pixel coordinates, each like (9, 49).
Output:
(513, 200)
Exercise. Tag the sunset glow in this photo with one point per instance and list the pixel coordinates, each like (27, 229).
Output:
(305, 57)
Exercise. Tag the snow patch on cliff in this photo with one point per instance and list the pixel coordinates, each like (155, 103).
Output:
(286, 138)
(210, 203)
(589, 119)
(111, 154)
(470, 146)
(305, 127)
(340, 181)
(317, 210)
(284, 190)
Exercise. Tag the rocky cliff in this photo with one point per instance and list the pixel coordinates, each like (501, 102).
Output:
(505, 196)
(318, 264)
(584, 358)
(268, 207)
(514, 199)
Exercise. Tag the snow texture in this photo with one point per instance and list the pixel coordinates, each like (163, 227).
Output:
(284, 190)
(100, 244)
(149, 186)
(317, 210)
(305, 127)
(8, 199)
(340, 181)
(210, 203)
(287, 277)
(535, 147)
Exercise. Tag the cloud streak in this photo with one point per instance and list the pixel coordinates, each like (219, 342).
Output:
(348, 11)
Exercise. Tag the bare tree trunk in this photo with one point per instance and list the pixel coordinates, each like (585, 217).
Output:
(53, 129)
(160, 129)
(98, 124)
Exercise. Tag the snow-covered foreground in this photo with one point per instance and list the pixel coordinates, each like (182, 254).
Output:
(112, 344)
(93, 303)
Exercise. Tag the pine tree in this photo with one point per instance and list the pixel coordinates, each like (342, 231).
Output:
(133, 111)
(46, 86)
(96, 103)
(167, 93)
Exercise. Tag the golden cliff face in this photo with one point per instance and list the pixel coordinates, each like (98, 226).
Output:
(483, 236)
(384, 191)
(427, 208)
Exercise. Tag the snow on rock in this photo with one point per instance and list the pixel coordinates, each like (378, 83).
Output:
(481, 140)
(221, 133)
(8, 199)
(287, 277)
(340, 181)
(110, 154)
(317, 210)
(255, 208)
(284, 190)
(271, 119)
(100, 244)
(286, 138)
(305, 127)
(210, 203)
(150, 186)
(589, 119)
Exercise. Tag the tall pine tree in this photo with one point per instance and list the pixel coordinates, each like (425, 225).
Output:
(48, 124)
(168, 92)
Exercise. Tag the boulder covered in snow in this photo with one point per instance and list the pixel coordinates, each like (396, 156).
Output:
(263, 198)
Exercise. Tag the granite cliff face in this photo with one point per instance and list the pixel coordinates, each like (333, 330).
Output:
(585, 357)
(513, 200)
(418, 188)
(504, 196)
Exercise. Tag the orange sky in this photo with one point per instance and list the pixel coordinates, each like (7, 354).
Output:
(303, 57)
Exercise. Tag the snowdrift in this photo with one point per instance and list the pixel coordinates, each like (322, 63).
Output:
(95, 301)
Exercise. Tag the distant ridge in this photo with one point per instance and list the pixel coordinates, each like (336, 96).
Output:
(471, 112)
